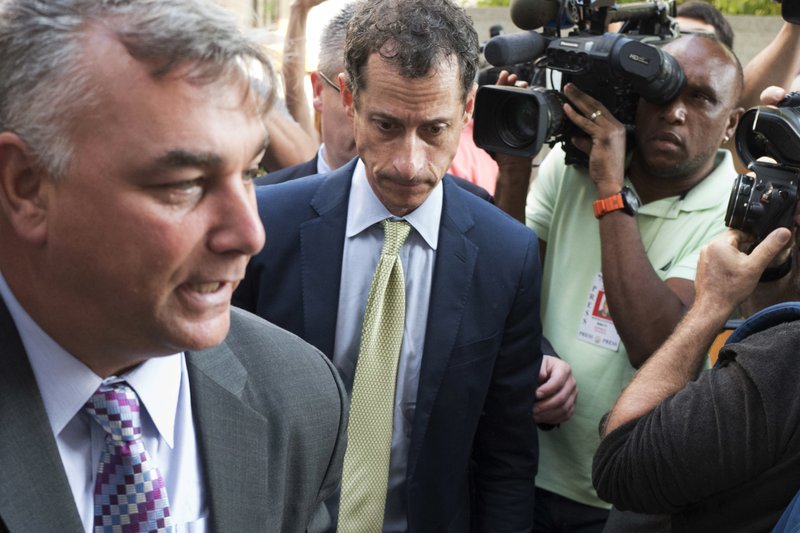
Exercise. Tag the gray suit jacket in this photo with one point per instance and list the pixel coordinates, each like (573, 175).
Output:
(270, 413)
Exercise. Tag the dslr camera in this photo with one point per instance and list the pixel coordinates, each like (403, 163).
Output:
(767, 201)
(615, 68)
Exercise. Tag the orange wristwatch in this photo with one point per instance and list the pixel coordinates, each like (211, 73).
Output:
(624, 200)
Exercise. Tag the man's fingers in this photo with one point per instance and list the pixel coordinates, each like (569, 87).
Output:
(734, 237)
(769, 248)
(585, 103)
(772, 95)
(557, 409)
(502, 79)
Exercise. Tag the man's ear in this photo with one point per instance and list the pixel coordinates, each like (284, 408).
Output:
(23, 190)
(733, 121)
(347, 97)
(317, 84)
(469, 106)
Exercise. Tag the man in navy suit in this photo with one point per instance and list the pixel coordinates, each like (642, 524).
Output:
(464, 448)
(336, 128)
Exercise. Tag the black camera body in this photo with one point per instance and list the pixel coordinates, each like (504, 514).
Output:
(767, 201)
(615, 68)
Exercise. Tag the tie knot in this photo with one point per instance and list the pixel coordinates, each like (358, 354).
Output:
(394, 235)
(116, 408)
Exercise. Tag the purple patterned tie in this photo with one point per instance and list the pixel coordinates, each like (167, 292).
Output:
(129, 494)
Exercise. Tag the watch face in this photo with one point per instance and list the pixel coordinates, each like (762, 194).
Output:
(632, 202)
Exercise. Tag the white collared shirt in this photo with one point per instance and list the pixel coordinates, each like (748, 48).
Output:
(162, 385)
(362, 247)
(322, 164)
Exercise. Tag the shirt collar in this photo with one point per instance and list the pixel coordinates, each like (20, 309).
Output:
(65, 383)
(365, 209)
(322, 164)
(704, 195)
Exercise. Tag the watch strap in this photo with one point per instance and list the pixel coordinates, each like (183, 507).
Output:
(607, 205)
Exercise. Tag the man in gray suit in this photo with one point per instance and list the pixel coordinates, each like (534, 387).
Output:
(129, 136)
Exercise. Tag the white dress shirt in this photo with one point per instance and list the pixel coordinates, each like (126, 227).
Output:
(322, 164)
(362, 247)
(162, 385)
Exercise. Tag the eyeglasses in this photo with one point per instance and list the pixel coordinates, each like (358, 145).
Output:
(328, 81)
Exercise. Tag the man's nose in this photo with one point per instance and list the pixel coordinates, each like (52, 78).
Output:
(675, 111)
(410, 158)
(238, 227)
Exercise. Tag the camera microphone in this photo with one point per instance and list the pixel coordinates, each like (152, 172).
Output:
(505, 50)
(634, 11)
(532, 14)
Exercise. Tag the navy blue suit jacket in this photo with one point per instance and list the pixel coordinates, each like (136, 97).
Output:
(300, 170)
(473, 453)
(309, 168)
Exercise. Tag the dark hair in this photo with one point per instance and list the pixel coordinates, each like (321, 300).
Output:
(695, 9)
(413, 35)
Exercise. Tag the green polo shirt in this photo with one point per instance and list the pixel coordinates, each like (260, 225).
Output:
(673, 230)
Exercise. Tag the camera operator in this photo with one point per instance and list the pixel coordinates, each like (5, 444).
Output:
(636, 269)
(719, 452)
(748, 403)
(777, 284)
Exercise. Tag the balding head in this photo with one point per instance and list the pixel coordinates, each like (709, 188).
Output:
(709, 52)
(678, 141)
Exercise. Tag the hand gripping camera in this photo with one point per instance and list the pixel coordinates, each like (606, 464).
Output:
(614, 68)
(767, 201)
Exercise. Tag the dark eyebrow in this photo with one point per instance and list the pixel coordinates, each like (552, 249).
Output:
(179, 157)
(184, 158)
(390, 118)
(383, 116)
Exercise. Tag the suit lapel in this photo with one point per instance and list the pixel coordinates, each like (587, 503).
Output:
(455, 262)
(322, 245)
(226, 429)
(35, 494)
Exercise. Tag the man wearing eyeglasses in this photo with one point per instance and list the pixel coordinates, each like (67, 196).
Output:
(338, 144)
(338, 140)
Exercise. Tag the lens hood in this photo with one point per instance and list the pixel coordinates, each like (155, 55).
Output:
(773, 132)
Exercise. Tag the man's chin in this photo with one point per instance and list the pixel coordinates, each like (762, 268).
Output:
(201, 335)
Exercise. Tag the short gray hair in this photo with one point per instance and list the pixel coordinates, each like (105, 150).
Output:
(331, 43)
(45, 86)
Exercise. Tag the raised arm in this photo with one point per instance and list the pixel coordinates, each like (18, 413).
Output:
(294, 65)
(725, 277)
(777, 64)
(645, 308)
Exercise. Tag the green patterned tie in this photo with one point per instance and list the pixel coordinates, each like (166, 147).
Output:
(369, 429)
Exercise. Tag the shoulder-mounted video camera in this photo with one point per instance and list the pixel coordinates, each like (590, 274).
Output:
(767, 201)
(615, 68)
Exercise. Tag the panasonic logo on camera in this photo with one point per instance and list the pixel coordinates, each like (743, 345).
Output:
(639, 59)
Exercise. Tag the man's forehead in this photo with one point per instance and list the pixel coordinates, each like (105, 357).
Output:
(697, 50)
(703, 58)
(382, 63)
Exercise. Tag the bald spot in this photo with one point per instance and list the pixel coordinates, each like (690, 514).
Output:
(711, 55)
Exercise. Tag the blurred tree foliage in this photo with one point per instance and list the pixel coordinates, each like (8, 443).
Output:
(729, 7)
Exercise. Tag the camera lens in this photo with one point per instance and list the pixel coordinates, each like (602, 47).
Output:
(530, 118)
(517, 121)
(739, 202)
